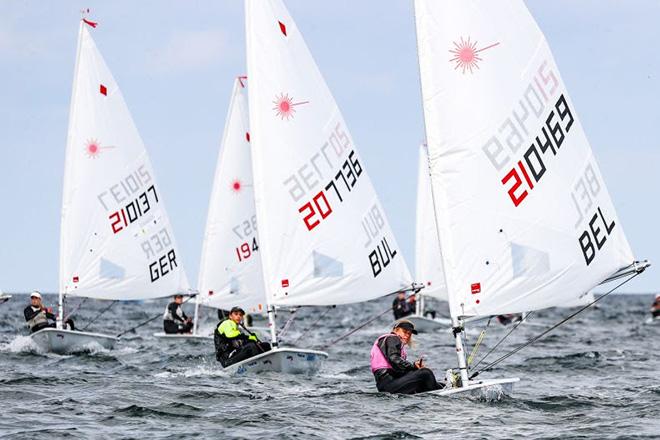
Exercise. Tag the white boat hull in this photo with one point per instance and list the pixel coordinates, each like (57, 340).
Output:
(281, 360)
(427, 325)
(487, 389)
(4, 298)
(68, 341)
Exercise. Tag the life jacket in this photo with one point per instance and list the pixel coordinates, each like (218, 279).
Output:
(39, 318)
(378, 359)
(168, 316)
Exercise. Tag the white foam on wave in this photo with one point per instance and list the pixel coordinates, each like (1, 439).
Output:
(21, 344)
(198, 371)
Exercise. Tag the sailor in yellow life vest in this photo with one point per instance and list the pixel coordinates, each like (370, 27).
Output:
(231, 344)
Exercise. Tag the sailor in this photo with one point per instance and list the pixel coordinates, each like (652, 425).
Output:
(402, 306)
(231, 344)
(37, 315)
(510, 318)
(391, 368)
(175, 321)
(655, 308)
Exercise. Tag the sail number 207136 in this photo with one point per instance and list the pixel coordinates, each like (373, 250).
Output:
(319, 208)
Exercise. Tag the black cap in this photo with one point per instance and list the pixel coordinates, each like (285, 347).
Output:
(406, 325)
(237, 309)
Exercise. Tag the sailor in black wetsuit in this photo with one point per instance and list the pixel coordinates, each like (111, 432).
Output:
(37, 315)
(231, 344)
(391, 368)
(175, 321)
(402, 306)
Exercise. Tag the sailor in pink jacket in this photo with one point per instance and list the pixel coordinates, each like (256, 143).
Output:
(391, 368)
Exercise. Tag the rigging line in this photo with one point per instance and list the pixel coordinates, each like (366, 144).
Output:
(480, 339)
(150, 319)
(389, 309)
(305, 331)
(545, 332)
(112, 303)
(412, 287)
(288, 322)
(75, 310)
(501, 340)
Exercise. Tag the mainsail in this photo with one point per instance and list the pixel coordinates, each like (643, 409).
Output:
(116, 239)
(325, 237)
(230, 269)
(428, 259)
(524, 217)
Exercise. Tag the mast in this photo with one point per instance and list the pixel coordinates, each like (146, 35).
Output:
(60, 299)
(196, 316)
(272, 323)
(456, 322)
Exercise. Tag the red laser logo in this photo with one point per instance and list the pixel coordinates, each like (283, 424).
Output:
(466, 55)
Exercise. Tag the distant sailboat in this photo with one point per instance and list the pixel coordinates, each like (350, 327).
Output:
(4, 298)
(116, 241)
(428, 260)
(230, 268)
(524, 219)
(325, 239)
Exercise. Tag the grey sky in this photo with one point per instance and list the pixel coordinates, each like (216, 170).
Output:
(175, 62)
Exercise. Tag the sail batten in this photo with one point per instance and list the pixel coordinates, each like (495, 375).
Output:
(325, 235)
(525, 219)
(116, 239)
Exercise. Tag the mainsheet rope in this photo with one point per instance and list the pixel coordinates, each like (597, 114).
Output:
(545, 332)
(150, 319)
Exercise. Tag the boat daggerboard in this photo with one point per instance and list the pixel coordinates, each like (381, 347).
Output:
(116, 239)
(325, 237)
(428, 260)
(230, 269)
(525, 220)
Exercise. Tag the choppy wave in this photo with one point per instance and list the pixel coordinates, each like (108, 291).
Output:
(593, 378)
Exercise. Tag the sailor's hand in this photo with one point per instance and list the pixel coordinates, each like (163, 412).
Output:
(419, 364)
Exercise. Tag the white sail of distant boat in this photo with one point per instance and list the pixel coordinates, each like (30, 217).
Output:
(524, 218)
(325, 239)
(428, 260)
(116, 240)
(230, 268)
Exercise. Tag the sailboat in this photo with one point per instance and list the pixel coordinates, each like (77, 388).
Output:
(116, 241)
(230, 268)
(325, 239)
(524, 219)
(3, 297)
(428, 262)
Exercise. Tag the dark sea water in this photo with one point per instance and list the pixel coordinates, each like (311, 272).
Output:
(594, 377)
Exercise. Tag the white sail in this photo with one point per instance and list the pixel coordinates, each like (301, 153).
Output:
(116, 239)
(325, 237)
(230, 269)
(525, 219)
(428, 260)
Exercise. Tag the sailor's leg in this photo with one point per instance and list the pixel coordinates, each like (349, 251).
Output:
(245, 352)
(427, 381)
(412, 382)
